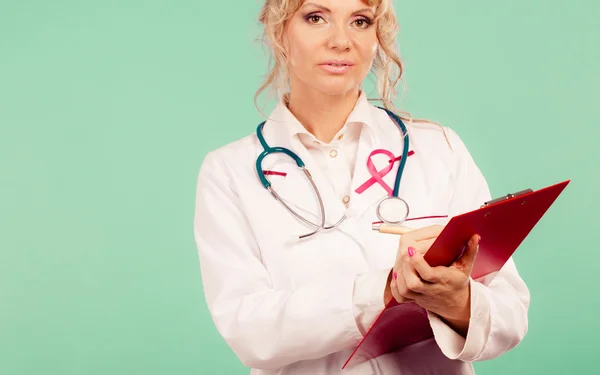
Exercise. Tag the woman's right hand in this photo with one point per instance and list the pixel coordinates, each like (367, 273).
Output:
(421, 240)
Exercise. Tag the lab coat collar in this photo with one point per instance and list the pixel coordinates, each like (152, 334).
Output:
(289, 133)
(282, 129)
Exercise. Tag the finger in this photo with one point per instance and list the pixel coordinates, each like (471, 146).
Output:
(424, 245)
(413, 282)
(421, 234)
(402, 257)
(394, 288)
(466, 261)
(423, 270)
(395, 293)
(401, 287)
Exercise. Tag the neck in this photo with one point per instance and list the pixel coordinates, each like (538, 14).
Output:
(321, 114)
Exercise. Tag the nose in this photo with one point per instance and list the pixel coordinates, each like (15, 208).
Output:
(339, 38)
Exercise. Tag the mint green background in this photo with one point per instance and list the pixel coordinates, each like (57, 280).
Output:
(105, 114)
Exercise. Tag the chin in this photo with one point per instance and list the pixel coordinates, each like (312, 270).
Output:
(337, 85)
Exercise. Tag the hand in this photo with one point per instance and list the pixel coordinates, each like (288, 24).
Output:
(444, 291)
(421, 240)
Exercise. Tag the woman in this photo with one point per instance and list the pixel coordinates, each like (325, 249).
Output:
(287, 305)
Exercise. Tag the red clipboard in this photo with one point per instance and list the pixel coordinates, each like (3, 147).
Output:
(503, 225)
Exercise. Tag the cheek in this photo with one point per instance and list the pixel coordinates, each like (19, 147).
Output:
(299, 50)
(366, 48)
(301, 47)
(367, 56)
(369, 49)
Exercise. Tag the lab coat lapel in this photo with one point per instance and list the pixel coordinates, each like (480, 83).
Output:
(366, 191)
(364, 196)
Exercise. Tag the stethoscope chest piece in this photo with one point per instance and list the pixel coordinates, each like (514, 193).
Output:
(392, 210)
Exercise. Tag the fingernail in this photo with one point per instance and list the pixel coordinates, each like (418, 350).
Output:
(479, 237)
(411, 251)
(395, 275)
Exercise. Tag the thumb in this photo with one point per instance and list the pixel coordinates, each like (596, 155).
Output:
(466, 261)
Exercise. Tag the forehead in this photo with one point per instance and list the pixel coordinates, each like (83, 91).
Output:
(344, 4)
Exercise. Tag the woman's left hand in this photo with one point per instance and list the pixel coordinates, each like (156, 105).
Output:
(444, 291)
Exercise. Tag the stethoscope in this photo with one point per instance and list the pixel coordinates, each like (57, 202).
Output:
(391, 210)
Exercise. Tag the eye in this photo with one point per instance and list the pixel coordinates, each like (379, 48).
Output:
(363, 23)
(313, 18)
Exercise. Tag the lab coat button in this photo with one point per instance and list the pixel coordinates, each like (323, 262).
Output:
(346, 199)
(333, 153)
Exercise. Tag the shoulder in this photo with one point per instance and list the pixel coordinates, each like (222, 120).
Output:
(443, 147)
(434, 142)
(442, 138)
(436, 139)
(224, 161)
(426, 133)
(440, 145)
(442, 142)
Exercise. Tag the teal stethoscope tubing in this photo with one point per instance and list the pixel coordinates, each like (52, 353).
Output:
(268, 150)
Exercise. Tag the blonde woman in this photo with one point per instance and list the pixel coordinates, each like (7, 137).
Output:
(293, 272)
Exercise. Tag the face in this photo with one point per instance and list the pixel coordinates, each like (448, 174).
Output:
(330, 45)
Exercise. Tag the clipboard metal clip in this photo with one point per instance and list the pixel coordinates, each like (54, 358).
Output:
(506, 197)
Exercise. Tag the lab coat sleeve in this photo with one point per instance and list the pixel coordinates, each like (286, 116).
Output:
(266, 327)
(500, 302)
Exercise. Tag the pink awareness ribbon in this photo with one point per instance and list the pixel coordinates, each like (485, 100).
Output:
(377, 176)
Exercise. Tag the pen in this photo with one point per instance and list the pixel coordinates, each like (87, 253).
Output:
(391, 229)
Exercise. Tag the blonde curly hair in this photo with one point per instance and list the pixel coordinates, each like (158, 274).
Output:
(387, 66)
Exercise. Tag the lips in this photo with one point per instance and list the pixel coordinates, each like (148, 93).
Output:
(337, 63)
(337, 66)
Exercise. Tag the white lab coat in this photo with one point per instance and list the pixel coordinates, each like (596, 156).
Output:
(301, 307)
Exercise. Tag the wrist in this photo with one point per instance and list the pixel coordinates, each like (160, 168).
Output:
(460, 318)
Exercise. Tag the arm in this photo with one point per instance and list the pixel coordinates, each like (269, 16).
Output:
(267, 327)
(498, 308)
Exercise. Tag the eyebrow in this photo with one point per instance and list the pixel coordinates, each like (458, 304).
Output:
(324, 8)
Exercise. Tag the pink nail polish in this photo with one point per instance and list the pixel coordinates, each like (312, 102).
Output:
(395, 276)
(411, 251)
